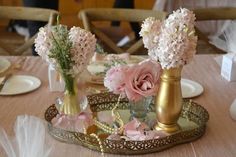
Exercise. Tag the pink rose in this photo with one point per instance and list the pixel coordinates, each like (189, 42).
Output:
(142, 80)
(115, 79)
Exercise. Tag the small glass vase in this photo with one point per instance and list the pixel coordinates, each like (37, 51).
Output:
(71, 105)
(139, 109)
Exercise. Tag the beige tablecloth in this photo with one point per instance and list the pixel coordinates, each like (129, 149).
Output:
(218, 141)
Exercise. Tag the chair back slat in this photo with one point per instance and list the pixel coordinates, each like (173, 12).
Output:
(89, 16)
(209, 14)
(26, 13)
(215, 14)
(130, 15)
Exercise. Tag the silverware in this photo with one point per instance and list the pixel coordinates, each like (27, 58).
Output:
(4, 81)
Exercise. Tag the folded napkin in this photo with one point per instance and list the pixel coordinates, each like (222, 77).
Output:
(228, 68)
(228, 43)
(230, 37)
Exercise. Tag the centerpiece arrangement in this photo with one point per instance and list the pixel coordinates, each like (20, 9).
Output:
(69, 51)
(172, 43)
(126, 120)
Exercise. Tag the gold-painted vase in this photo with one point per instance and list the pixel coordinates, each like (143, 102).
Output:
(168, 103)
(70, 104)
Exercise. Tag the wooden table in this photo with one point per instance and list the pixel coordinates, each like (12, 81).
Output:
(218, 141)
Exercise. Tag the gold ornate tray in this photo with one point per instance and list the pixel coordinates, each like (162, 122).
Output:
(192, 122)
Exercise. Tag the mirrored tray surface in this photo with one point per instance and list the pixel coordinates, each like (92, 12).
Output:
(192, 122)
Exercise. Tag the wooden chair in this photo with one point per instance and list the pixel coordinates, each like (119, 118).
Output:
(108, 14)
(207, 14)
(25, 13)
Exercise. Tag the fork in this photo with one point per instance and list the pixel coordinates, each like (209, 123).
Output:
(4, 81)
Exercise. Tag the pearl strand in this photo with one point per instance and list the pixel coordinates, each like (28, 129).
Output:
(118, 119)
(99, 142)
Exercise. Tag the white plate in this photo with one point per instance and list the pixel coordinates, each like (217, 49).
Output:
(190, 88)
(97, 69)
(4, 64)
(19, 84)
(100, 67)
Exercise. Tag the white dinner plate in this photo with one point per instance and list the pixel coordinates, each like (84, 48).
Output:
(4, 64)
(98, 69)
(19, 84)
(190, 88)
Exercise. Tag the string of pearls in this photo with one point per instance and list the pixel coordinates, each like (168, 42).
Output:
(99, 142)
(117, 118)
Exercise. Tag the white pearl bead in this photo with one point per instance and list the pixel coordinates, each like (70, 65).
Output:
(232, 110)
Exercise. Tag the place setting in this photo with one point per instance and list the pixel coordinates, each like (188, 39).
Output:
(14, 84)
(101, 62)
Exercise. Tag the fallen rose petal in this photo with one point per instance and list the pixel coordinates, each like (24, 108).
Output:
(153, 134)
(114, 137)
(135, 125)
(74, 123)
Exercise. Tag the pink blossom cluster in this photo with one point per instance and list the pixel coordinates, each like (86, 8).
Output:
(171, 42)
(134, 82)
(81, 45)
(43, 44)
(83, 48)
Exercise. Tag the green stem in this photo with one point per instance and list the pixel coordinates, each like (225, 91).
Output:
(65, 64)
(62, 55)
(69, 83)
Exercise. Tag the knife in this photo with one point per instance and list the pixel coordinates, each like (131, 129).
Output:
(4, 81)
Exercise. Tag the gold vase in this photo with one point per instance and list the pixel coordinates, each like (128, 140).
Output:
(169, 100)
(70, 103)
